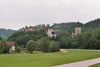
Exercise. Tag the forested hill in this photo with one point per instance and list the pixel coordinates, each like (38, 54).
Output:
(6, 32)
(70, 26)
(61, 27)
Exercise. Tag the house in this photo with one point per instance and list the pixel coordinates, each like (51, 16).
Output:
(49, 31)
(12, 44)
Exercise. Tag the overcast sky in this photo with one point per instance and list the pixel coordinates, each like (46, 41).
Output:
(15, 14)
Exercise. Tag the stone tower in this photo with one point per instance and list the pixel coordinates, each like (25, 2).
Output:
(78, 29)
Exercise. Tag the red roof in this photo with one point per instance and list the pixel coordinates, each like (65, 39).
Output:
(11, 43)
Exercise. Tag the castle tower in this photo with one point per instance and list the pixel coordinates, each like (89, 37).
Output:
(78, 29)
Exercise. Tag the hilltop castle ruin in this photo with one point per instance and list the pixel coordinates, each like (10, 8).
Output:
(48, 30)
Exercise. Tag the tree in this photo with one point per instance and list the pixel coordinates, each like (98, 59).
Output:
(31, 46)
(77, 41)
(4, 48)
(97, 44)
(98, 33)
(0, 38)
(69, 43)
(54, 46)
(44, 44)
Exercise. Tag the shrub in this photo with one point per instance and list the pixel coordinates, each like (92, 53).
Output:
(18, 49)
(4, 48)
(97, 44)
(44, 44)
(54, 46)
(31, 46)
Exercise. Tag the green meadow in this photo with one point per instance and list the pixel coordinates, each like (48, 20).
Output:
(96, 65)
(46, 59)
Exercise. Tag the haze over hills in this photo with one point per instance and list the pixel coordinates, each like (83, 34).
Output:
(60, 27)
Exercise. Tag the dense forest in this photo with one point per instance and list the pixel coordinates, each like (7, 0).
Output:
(61, 27)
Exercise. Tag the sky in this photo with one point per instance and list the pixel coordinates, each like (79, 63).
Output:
(15, 14)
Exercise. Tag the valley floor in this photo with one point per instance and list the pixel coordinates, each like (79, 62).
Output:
(46, 59)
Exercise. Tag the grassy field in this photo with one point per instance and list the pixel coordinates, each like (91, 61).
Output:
(46, 59)
(96, 65)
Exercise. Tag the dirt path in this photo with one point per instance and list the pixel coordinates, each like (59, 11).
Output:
(81, 63)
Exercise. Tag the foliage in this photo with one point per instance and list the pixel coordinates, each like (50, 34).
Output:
(98, 33)
(18, 49)
(21, 38)
(44, 44)
(97, 44)
(54, 46)
(5, 33)
(1, 38)
(4, 48)
(31, 46)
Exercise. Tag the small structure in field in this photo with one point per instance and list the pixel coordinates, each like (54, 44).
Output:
(12, 44)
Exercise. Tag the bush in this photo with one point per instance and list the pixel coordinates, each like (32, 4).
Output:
(44, 44)
(18, 49)
(54, 46)
(31, 46)
(97, 44)
(4, 48)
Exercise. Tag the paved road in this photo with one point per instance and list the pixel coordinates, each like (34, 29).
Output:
(81, 63)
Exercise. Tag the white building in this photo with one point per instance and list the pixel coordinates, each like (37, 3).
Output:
(12, 44)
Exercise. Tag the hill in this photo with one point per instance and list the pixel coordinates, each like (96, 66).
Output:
(70, 26)
(6, 32)
(61, 27)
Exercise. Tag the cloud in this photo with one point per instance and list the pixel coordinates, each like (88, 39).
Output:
(17, 13)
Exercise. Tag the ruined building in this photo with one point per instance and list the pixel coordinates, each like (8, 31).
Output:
(48, 30)
(30, 28)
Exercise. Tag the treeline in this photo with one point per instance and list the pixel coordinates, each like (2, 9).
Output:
(86, 40)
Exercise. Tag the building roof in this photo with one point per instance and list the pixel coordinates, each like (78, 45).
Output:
(46, 28)
(11, 43)
(78, 25)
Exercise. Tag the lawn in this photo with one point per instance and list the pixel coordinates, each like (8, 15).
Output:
(96, 65)
(46, 59)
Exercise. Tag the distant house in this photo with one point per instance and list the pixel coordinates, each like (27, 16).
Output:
(12, 44)
(49, 31)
